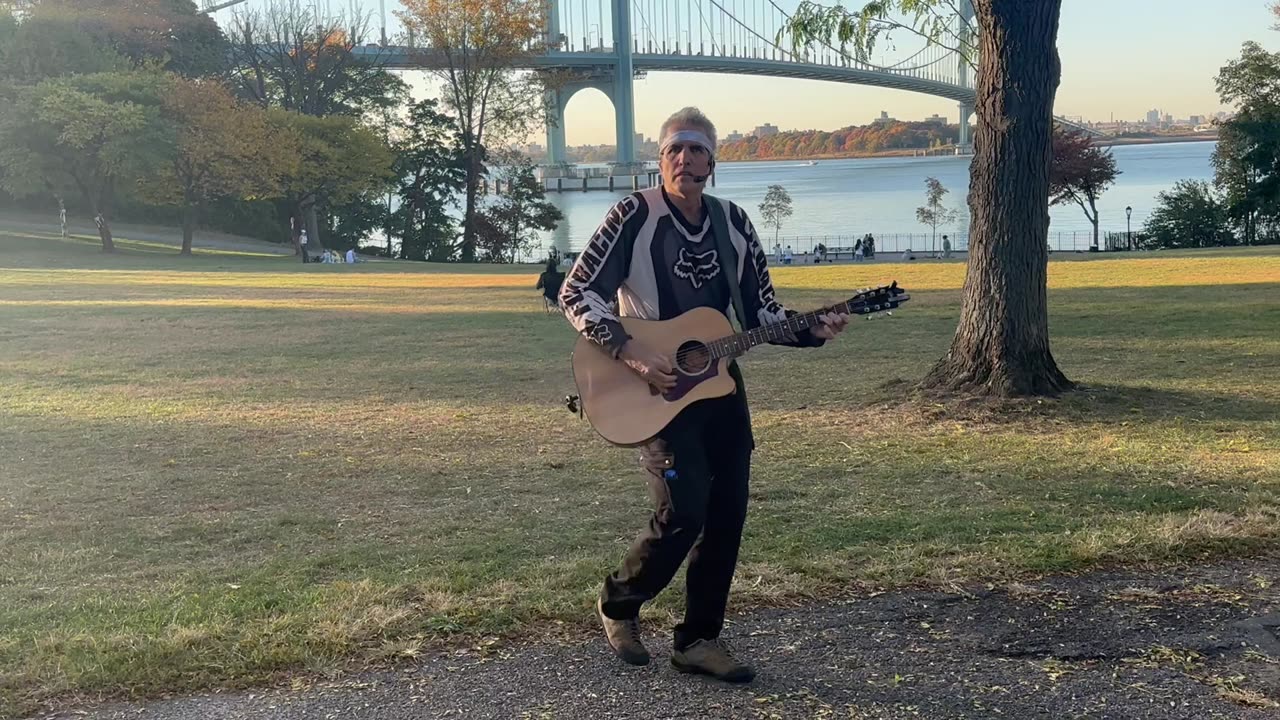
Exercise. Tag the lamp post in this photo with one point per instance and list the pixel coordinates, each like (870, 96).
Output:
(1128, 229)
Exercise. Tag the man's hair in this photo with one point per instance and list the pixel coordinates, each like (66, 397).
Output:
(690, 117)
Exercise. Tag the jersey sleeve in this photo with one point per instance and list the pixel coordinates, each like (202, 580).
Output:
(591, 287)
(758, 297)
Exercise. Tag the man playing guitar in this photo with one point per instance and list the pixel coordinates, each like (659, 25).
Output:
(657, 254)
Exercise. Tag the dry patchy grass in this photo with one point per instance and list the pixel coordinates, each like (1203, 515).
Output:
(223, 468)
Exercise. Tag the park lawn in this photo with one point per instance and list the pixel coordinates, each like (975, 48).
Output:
(222, 469)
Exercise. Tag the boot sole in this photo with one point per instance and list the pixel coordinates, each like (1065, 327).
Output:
(628, 659)
(636, 660)
(745, 676)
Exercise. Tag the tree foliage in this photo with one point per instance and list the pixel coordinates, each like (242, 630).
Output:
(933, 213)
(45, 45)
(338, 160)
(1247, 158)
(1081, 172)
(509, 223)
(477, 44)
(431, 171)
(852, 140)
(775, 208)
(91, 134)
(1192, 214)
(856, 32)
(288, 57)
(171, 33)
(224, 148)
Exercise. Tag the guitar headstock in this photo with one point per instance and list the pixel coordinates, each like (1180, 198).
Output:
(874, 300)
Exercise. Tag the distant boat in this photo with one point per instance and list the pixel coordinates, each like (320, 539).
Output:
(812, 162)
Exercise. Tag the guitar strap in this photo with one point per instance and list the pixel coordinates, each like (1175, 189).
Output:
(724, 247)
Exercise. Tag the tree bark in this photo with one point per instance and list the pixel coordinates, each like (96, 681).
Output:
(468, 250)
(104, 234)
(1001, 346)
(314, 241)
(103, 224)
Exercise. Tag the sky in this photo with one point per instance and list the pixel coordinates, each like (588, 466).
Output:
(1120, 58)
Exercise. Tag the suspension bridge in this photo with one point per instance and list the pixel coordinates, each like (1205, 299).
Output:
(607, 44)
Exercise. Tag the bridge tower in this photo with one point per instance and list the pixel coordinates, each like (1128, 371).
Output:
(966, 108)
(616, 83)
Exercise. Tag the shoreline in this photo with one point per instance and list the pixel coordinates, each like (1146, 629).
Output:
(950, 153)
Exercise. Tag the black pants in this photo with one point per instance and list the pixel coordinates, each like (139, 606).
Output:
(698, 470)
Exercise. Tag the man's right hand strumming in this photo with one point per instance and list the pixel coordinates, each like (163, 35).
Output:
(649, 364)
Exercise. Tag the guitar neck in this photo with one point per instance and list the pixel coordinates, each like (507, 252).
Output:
(735, 345)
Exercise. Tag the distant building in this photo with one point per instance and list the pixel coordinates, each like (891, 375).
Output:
(734, 136)
(639, 139)
(1153, 117)
(765, 130)
(1195, 120)
(936, 119)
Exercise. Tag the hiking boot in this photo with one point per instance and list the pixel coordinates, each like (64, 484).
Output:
(712, 657)
(623, 637)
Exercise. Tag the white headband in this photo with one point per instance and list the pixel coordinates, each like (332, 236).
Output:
(687, 136)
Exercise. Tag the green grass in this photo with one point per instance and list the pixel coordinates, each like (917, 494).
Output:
(220, 469)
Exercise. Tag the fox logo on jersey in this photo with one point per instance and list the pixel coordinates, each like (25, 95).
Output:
(697, 268)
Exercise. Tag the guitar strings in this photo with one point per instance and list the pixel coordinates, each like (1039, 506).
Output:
(765, 331)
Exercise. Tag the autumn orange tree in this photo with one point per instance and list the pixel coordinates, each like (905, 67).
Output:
(477, 45)
(224, 148)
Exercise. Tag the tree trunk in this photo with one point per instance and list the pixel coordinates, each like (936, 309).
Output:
(315, 243)
(1001, 346)
(104, 233)
(295, 227)
(103, 224)
(188, 228)
(468, 249)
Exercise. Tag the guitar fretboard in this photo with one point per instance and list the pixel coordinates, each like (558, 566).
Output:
(735, 345)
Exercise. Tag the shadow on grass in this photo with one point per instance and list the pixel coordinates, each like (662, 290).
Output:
(1117, 403)
(1088, 403)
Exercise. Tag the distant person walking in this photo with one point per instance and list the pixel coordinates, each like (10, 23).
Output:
(946, 248)
(302, 242)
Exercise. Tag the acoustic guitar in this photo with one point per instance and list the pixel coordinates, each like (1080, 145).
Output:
(626, 410)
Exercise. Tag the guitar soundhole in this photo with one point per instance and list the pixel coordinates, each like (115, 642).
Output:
(693, 358)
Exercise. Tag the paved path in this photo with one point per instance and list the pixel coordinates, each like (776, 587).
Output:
(1187, 644)
(207, 239)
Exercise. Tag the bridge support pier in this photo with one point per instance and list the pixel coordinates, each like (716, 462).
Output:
(624, 106)
(966, 134)
(556, 101)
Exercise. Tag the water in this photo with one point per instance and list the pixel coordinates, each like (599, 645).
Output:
(838, 200)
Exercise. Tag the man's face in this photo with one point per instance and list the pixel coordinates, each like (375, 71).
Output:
(681, 161)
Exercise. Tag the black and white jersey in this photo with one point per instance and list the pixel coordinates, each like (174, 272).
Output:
(656, 265)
